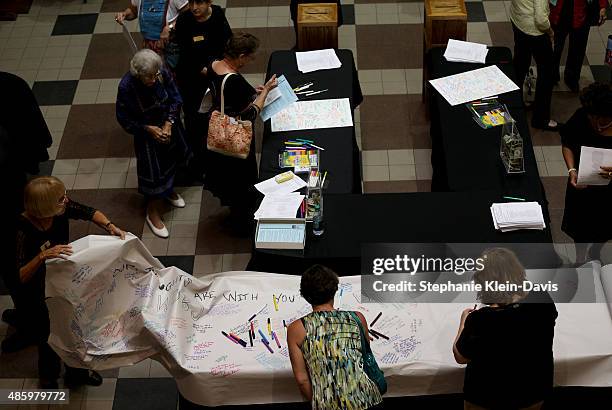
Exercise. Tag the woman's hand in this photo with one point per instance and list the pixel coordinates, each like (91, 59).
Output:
(167, 130)
(115, 231)
(606, 172)
(603, 15)
(259, 89)
(573, 175)
(272, 82)
(157, 134)
(120, 17)
(58, 251)
(165, 34)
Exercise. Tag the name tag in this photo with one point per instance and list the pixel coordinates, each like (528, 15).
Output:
(45, 246)
(198, 38)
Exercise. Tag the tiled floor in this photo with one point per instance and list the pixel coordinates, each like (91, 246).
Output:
(73, 55)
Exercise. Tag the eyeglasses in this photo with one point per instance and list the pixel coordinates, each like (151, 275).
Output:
(63, 199)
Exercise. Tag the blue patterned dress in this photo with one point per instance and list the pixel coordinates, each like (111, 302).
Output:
(138, 106)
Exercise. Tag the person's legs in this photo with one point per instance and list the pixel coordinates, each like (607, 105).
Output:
(522, 55)
(560, 36)
(578, 39)
(154, 212)
(543, 54)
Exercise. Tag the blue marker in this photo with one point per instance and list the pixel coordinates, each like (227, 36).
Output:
(263, 338)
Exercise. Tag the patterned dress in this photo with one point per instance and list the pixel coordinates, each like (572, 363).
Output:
(332, 351)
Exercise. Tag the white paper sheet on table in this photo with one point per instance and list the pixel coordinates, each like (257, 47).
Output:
(112, 304)
(310, 115)
(473, 85)
(279, 206)
(309, 61)
(281, 97)
(271, 187)
(465, 52)
(591, 159)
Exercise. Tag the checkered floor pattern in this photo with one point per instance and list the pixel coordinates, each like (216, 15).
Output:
(73, 55)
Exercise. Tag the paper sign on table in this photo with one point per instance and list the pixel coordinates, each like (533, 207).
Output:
(473, 85)
(309, 115)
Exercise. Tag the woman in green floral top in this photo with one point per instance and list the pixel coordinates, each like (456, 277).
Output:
(325, 349)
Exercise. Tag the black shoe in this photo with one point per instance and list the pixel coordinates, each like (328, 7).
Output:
(15, 342)
(48, 384)
(572, 85)
(10, 316)
(92, 379)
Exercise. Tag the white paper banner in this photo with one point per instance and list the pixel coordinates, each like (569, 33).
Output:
(113, 304)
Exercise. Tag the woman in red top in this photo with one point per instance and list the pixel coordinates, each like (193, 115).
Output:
(570, 17)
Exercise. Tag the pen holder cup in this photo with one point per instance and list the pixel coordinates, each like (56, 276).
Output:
(511, 149)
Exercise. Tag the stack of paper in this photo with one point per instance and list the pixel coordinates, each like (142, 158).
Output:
(271, 187)
(310, 61)
(279, 206)
(465, 52)
(517, 215)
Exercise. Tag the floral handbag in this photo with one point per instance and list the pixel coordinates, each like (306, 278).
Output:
(228, 135)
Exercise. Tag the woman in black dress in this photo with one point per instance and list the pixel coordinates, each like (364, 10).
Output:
(232, 179)
(42, 234)
(587, 218)
(201, 34)
(507, 344)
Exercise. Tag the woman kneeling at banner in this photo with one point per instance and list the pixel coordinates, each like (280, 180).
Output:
(42, 234)
(507, 345)
(325, 349)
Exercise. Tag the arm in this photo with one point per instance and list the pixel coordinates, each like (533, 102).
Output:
(127, 116)
(460, 358)
(256, 106)
(74, 210)
(542, 12)
(364, 323)
(603, 11)
(128, 14)
(28, 268)
(174, 103)
(568, 156)
(295, 337)
(105, 223)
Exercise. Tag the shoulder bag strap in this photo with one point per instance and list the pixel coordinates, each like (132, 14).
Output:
(222, 89)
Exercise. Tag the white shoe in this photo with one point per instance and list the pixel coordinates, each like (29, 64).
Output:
(162, 233)
(179, 202)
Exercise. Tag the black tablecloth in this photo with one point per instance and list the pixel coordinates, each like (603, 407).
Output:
(465, 156)
(354, 220)
(341, 156)
(466, 165)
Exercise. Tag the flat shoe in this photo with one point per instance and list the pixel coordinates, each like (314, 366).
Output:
(162, 233)
(179, 202)
(547, 127)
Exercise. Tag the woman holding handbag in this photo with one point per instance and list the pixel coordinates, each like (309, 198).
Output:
(231, 178)
(326, 348)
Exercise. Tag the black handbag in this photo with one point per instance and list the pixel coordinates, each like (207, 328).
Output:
(369, 361)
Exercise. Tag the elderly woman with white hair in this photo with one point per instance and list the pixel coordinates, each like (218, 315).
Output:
(148, 107)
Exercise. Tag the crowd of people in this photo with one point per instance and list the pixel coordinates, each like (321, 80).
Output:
(189, 50)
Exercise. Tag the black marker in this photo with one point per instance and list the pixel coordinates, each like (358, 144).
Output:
(374, 321)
